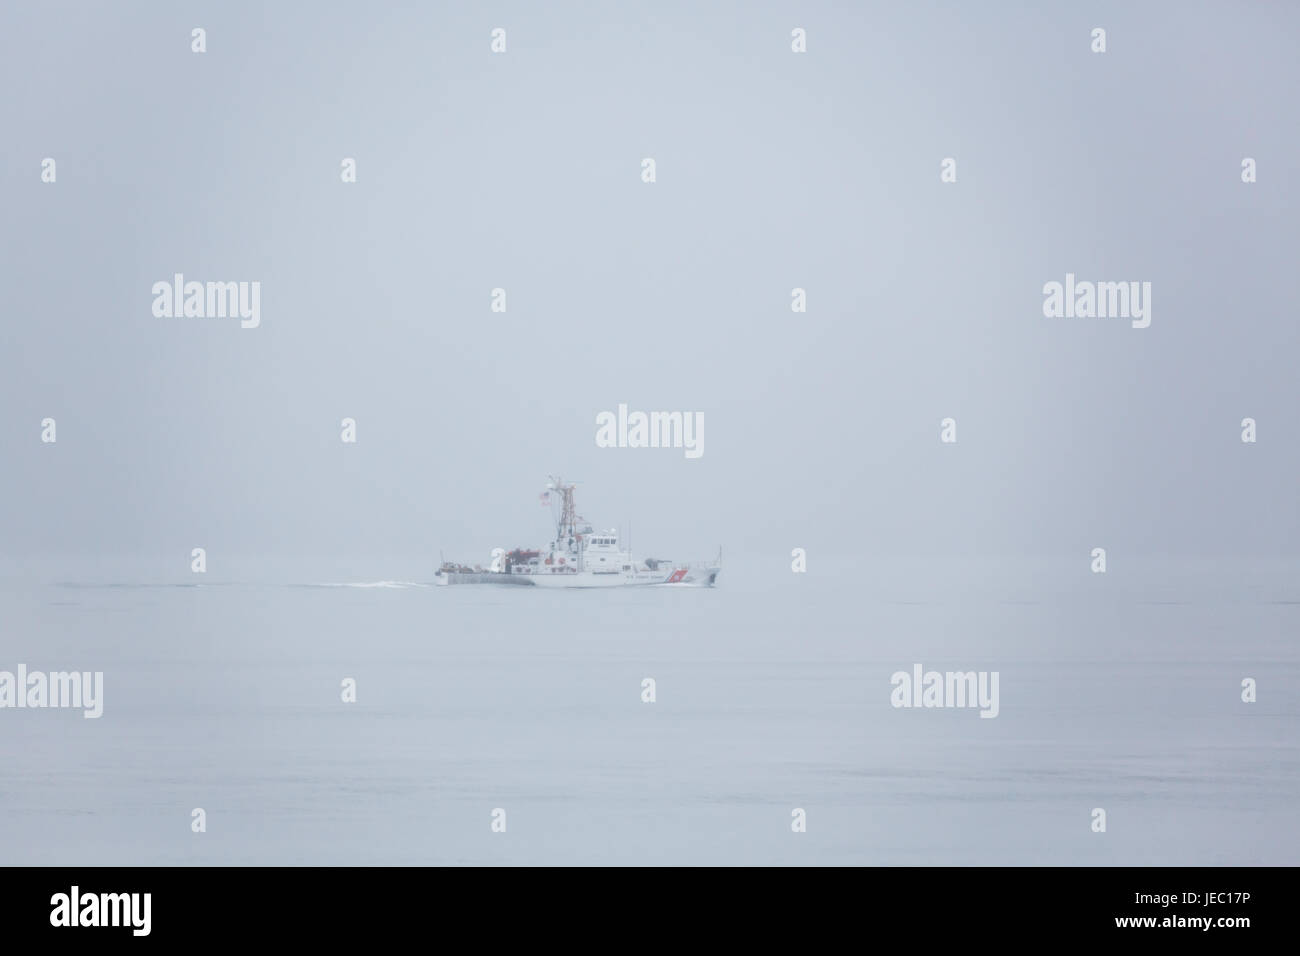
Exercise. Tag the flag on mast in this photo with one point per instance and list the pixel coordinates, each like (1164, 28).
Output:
(545, 498)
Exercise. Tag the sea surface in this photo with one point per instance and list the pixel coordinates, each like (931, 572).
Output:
(223, 691)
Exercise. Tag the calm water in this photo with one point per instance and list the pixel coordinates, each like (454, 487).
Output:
(1119, 691)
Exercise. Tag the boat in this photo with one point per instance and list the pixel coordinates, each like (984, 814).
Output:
(579, 557)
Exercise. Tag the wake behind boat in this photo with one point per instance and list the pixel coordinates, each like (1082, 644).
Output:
(579, 557)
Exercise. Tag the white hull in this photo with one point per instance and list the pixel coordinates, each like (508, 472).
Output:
(697, 577)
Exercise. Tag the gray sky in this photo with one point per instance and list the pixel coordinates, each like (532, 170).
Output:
(775, 170)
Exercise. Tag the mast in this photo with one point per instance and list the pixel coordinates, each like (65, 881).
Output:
(568, 523)
(568, 516)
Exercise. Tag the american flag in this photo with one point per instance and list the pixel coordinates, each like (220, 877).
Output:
(545, 498)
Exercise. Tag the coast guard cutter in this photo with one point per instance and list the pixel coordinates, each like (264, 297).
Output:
(579, 557)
